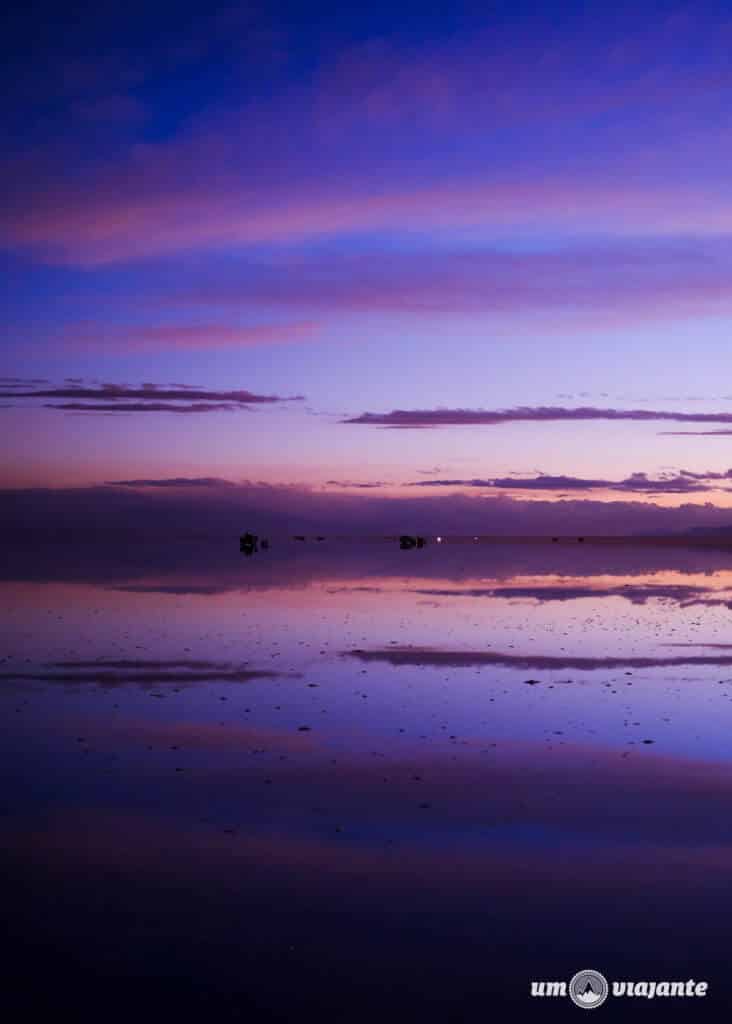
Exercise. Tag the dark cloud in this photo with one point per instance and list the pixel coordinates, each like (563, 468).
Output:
(150, 392)
(695, 433)
(637, 483)
(714, 647)
(226, 511)
(422, 418)
(467, 659)
(179, 481)
(373, 485)
(709, 475)
(198, 589)
(143, 407)
(105, 398)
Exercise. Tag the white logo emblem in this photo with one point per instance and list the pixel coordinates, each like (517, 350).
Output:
(588, 989)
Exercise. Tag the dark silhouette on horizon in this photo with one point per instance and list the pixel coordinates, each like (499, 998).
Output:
(699, 537)
(406, 542)
(248, 543)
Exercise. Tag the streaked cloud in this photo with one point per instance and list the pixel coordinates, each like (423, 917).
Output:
(578, 285)
(683, 482)
(128, 407)
(355, 485)
(695, 433)
(186, 335)
(116, 398)
(148, 392)
(454, 131)
(424, 418)
(181, 481)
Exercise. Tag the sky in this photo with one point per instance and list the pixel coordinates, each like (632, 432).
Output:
(338, 257)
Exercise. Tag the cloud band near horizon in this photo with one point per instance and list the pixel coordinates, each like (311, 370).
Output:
(422, 418)
(683, 482)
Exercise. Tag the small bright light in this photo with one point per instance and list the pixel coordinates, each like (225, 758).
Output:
(439, 540)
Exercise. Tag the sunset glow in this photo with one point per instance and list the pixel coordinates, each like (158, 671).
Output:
(445, 217)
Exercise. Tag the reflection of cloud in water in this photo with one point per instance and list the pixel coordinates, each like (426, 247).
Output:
(498, 813)
(144, 672)
(685, 595)
(433, 657)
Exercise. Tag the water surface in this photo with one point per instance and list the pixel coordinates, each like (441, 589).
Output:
(363, 780)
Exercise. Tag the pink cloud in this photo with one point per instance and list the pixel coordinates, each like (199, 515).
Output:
(584, 287)
(188, 336)
(127, 213)
(384, 136)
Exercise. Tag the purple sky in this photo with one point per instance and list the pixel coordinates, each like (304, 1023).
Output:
(484, 254)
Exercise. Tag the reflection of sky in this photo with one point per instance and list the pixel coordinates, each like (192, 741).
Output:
(306, 633)
(337, 801)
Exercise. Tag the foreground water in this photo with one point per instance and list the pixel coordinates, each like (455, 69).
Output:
(363, 780)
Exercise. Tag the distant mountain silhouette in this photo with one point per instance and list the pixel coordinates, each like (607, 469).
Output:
(710, 531)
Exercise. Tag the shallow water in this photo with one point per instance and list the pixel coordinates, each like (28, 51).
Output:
(361, 779)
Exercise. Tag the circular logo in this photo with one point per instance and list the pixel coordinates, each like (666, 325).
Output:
(588, 989)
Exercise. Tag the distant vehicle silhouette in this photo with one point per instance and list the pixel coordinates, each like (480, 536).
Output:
(248, 543)
(406, 541)
(580, 540)
(298, 536)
